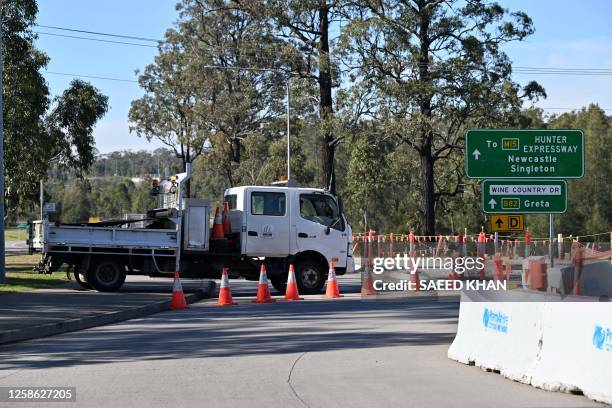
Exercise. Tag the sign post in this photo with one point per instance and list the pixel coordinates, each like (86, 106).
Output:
(524, 153)
(551, 249)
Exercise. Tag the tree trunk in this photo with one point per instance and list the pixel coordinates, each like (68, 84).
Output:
(428, 194)
(235, 147)
(326, 102)
(427, 160)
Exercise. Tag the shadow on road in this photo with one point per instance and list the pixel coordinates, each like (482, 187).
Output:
(208, 331)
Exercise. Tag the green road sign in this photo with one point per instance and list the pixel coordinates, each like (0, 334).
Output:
(524, 153)
(524, 196)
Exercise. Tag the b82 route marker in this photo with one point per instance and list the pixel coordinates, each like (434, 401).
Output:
(524, 196)
(516, 154)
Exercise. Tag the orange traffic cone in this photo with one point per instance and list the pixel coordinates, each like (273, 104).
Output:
(263, 288)
(332, 291)
(178, 297)
(367, 285)
(415, 281)
(508, 270)
(218, 226)
(499, 273)
(227, 226)
(292, 290)
(225, 293)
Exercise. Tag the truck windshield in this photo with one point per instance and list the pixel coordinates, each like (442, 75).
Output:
(321, 209)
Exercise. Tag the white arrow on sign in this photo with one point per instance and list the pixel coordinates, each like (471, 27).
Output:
(492, 203)
(476, 154)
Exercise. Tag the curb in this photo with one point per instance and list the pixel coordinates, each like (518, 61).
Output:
(52, 329)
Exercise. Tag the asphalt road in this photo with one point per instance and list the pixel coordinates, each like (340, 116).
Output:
(314, 353)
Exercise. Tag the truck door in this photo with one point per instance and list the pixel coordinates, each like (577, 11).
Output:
(317, 212)
(267, 223)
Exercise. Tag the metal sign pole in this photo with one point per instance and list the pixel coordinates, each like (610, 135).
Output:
(551, 248)
(496, 242)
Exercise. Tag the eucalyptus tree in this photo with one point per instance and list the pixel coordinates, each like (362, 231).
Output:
(40, 131)
(306, 27)
(211, 80)
(436, 67)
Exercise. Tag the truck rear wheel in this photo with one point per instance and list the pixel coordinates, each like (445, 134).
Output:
(310, 276)
(80, 278)
(105, 275)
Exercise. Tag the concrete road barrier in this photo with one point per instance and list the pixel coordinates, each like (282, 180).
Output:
(577, 351)
(537, 339)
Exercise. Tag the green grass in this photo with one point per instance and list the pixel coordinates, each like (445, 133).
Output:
(14, 234)
(21, 278)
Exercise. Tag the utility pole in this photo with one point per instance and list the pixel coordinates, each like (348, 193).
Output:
(42, 198)
(288, 137)
(2, 263)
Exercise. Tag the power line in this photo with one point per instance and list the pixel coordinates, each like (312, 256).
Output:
(95, 39)
(129, 37)
(570, 109)
(90, 76)
(258, 53)
(255, 69)
(566, 69)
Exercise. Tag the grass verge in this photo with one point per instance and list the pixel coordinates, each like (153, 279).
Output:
(20, 278)
(15, 234)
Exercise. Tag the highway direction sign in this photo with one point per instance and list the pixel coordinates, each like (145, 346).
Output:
(524, 153)
(507, 223)
(524, 196)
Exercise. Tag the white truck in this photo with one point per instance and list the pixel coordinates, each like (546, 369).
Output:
(277, 225)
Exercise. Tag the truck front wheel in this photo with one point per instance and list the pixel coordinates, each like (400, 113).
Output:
(105, 275)
(279, 283)
(310, 276)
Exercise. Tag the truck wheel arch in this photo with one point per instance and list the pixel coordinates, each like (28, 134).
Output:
(316, 264)
(310, 255)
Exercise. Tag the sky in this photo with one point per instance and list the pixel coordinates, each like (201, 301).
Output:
(569, 34)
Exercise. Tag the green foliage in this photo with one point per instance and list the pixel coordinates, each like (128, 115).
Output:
(434, 69)
(76, 202)
(367, 181)
(187, 102)
(590, 198)
(71, 124)
(35, 138)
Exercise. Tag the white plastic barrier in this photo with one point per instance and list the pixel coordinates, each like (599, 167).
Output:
(536, 339)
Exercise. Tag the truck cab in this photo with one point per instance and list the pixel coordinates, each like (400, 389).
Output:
(302, 226)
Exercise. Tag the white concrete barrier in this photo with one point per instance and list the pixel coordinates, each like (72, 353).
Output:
(494, 334)
(577, 351)
(534, 338)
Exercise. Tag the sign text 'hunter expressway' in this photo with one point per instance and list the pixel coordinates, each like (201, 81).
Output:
(524, 153)
(524, 196)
